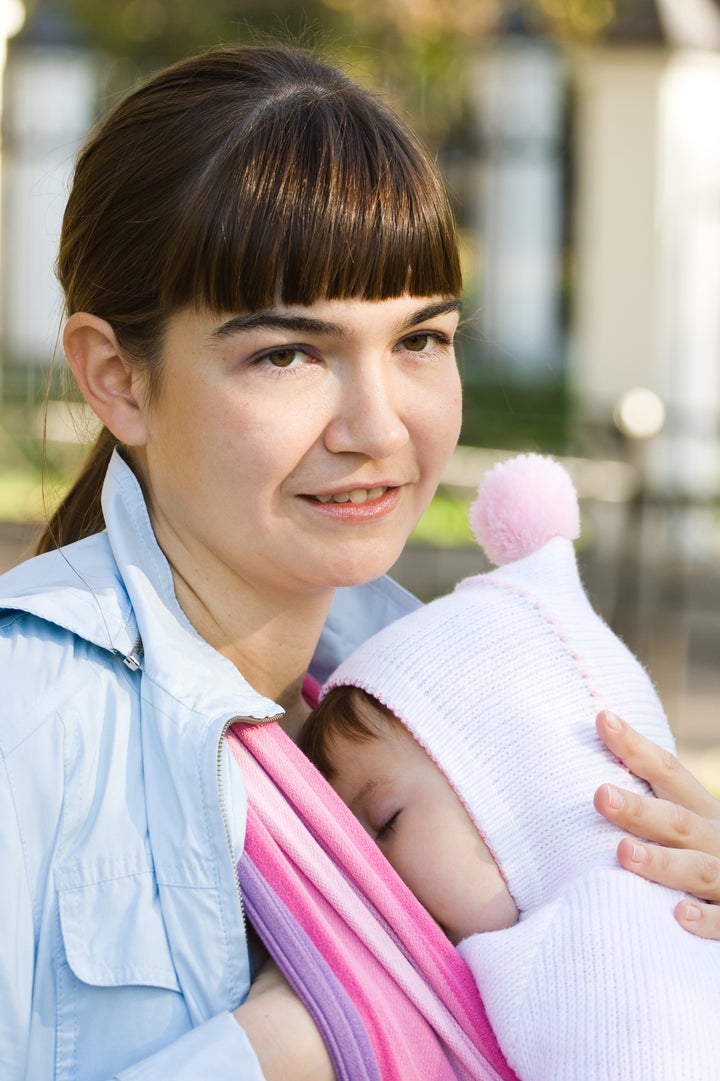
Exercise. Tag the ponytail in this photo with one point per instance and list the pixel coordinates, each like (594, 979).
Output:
(80, 513)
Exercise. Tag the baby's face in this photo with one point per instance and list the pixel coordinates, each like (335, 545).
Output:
(408, 806)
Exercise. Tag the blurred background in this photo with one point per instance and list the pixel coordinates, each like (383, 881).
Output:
(580, 140)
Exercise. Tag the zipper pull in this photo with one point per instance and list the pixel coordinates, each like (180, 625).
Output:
(133, 660)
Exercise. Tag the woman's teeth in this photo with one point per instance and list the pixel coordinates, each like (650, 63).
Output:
(356, 495)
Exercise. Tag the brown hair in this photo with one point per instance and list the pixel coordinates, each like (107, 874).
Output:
(232, 181)
(340, 713)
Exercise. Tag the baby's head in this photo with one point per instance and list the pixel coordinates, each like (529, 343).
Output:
(409, 808)
(499, 683)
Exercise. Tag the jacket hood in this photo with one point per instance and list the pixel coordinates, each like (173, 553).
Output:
(90, 602)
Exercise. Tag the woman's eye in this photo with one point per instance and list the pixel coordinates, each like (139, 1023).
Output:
(283, 358)
(418, 343)
(424, 341)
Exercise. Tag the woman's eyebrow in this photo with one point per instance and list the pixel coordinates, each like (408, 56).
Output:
(303, 324)
(430, 311)
(274, 320)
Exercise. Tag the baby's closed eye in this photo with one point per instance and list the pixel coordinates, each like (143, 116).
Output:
(388, 827)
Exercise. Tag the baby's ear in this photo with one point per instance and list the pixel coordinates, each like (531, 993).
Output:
(111, 385)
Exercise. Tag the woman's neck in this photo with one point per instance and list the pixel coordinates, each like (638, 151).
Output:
(270, 639)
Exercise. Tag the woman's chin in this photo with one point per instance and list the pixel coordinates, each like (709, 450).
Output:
(361, 572)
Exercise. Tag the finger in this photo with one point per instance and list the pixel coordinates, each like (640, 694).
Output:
(700, 919)
(658, 820)
(691, 872)
(667, 777)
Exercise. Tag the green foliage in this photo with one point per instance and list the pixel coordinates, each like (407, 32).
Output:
(445, 522)
(501, 413)
(155, 32)
(419, 65)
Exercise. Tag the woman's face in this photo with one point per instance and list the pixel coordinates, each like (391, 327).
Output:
(297, 447)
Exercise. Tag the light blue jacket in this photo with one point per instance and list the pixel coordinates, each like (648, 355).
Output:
(122, 936)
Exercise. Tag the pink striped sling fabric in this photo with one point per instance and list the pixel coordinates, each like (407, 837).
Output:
(390, 994)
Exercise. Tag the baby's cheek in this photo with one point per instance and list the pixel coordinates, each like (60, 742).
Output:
(407, 864)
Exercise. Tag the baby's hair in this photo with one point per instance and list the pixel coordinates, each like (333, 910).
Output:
(340, 713)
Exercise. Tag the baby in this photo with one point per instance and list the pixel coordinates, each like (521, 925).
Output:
(463, 738)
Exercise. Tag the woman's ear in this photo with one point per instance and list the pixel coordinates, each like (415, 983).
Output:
(112, 387)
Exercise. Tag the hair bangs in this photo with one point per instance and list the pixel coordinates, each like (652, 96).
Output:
(324, 205)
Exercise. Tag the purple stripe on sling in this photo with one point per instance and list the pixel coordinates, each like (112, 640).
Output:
(310, 976)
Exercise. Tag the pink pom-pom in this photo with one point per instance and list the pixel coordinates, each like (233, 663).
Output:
(521, 505)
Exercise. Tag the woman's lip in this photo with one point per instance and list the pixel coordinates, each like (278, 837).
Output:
(369, 508)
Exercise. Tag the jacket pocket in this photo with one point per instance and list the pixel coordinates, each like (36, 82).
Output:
(118, 997)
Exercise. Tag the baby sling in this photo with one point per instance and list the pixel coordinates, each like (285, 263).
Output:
(390, 995)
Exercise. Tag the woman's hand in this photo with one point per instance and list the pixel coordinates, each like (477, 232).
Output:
(684, 823)
(282, 1032)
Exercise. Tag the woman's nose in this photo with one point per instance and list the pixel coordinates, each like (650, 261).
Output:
(367, 420)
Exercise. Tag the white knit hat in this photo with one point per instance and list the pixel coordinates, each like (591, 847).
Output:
(501, 681)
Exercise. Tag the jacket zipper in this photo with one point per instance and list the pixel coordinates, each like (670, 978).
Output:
(226, 817)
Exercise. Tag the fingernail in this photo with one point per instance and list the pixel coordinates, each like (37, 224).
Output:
(639, 853)
(690, 912)
(615, 797)
(612, 721)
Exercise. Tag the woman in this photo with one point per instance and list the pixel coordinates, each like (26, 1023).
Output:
(262, 282)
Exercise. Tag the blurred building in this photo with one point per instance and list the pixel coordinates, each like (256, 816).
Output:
(49, 102)
(519, 83)
(647, 233)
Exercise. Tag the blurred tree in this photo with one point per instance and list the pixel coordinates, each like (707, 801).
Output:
(581, 19)
(418, 51)
(413, 49)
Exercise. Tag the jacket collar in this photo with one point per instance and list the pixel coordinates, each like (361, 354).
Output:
(115, 590)
(78, 588)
